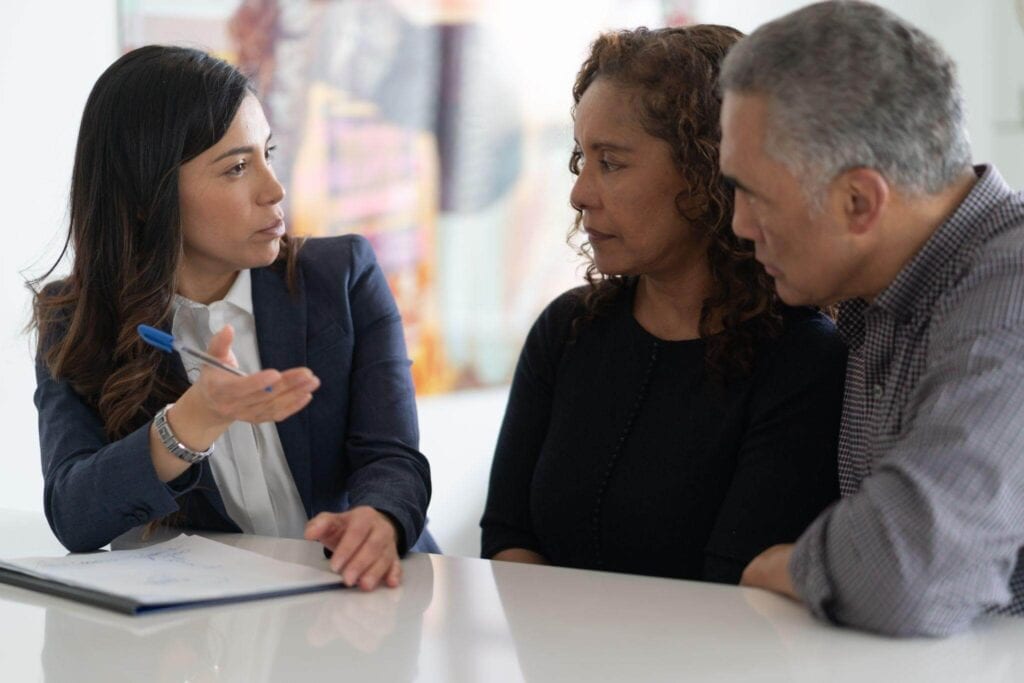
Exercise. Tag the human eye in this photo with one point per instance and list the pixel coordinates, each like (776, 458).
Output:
(576, 160)
(740, 193)
(609, 164)
(270, 153)
(238, 169)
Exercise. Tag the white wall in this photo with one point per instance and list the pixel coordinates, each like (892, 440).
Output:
(51, 54)
(457, 433)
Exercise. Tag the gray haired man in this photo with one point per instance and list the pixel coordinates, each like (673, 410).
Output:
(843, 132)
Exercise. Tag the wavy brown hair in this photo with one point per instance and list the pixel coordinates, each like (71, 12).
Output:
(674, 72)
(151, 111)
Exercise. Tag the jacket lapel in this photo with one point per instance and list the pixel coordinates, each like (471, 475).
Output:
(281, 338)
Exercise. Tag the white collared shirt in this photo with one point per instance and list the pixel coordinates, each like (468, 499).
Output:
(248, 462)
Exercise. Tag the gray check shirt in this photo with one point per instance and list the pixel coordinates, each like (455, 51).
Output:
(929, 532)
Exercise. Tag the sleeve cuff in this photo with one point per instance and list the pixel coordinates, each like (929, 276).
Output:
(400, 537)
(153, 498)
(808, 569)
(508, 539)
(186, 481)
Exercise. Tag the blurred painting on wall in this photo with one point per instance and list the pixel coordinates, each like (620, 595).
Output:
(439, 129)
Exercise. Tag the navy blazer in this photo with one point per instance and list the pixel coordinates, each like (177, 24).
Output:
(354, 444)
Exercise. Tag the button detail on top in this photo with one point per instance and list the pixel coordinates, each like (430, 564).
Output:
(879, 390)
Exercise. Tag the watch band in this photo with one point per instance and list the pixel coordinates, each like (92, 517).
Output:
(171, 442)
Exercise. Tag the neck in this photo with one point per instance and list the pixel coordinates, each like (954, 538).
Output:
(669, 306)
(910, 225)
(204, 288)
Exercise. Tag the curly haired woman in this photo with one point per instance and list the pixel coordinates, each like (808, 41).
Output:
(671, 417)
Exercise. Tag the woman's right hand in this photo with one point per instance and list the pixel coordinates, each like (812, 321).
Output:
(265, 396)
(218, 398)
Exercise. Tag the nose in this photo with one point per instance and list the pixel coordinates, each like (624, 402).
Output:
(272, 192)
(583, 195)
(744, 223)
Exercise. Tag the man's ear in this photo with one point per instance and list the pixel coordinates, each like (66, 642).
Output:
(865, 197)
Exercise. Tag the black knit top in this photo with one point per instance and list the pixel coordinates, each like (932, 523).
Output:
(618, 452)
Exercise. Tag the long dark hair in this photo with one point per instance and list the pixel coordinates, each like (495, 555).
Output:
(151, 111)
(675, 73)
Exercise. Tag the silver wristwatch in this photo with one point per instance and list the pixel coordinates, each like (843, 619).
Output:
(171, 443)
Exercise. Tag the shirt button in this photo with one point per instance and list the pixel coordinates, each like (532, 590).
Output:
(879, 391)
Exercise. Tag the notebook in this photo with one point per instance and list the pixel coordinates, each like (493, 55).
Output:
(186, 571)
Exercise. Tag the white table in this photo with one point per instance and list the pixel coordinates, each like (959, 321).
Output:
(463, 619)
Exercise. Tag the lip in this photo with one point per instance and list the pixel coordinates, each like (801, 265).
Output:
(275, 229)
(596, 235)
(771, 270)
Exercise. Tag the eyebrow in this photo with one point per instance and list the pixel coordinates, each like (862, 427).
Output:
(734, 184)
(605, 144)
(247, 149)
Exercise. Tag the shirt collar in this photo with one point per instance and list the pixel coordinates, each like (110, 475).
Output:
(963, 229)
(850, 322)
(239, 296)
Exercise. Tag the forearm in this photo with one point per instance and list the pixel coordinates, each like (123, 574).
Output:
(507, 530)
(898, 569)
(95, 489)
(786, 471)
(387, 470)
(520, 555)
(92, 496)
(194, 425)
(931, 538)
(399, 491)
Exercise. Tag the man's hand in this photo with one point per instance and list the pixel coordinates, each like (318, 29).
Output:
(363, 545)
(770, 570)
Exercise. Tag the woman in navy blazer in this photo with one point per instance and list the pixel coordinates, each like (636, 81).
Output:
(173, 195)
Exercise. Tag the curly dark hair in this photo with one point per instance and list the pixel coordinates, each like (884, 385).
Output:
(675, 72)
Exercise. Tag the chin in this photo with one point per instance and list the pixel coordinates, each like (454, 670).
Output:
(268, 254)
(793, 297)
(612, 269)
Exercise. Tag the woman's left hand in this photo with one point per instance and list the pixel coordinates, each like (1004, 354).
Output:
(364, 546)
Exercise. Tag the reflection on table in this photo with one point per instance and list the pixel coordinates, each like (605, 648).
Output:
(322, 635)
(463, 619)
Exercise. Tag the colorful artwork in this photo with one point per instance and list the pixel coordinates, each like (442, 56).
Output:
(439, 129)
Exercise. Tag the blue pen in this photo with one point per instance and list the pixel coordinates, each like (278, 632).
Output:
(167, 342)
